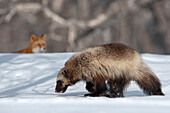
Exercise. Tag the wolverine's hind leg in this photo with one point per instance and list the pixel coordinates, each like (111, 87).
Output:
(147, 81)
(116, 87)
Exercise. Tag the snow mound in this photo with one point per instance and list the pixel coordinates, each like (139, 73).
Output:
(27, 83)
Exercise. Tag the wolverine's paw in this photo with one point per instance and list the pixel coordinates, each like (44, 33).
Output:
(91, 95)
(114, 95)
(97, 95)
(110, 96)
(90, 87)
(158, 93)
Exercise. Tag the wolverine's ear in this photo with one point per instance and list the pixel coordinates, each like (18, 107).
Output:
(43, 36)
(65, 73)
(33, 37)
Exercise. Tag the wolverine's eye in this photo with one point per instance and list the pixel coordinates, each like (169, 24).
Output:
(65, 73)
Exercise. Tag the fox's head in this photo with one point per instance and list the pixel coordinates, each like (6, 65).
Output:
(38, 44)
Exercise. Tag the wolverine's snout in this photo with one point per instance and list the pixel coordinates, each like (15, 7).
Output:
(60, 87)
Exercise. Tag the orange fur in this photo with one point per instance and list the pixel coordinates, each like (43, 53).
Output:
(37, 45)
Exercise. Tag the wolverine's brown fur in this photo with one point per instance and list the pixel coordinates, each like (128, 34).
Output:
(107, 70)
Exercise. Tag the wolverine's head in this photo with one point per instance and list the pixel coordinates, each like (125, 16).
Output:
(64, 79)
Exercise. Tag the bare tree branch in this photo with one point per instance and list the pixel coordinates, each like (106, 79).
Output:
(24, 7)
(117, 8)
(56, 18)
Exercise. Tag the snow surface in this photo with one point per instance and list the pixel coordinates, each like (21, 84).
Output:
(27, 83)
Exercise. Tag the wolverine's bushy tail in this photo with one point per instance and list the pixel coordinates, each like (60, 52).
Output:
(148, 81)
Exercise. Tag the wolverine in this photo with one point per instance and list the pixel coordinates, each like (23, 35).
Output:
(107, 71)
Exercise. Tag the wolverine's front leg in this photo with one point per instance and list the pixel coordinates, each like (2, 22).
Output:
(96, 89)
(91, 87)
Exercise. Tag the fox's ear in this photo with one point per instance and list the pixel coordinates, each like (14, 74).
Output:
(33, 37)
(43, 36)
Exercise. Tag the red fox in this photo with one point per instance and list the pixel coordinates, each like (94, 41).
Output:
(37, 45)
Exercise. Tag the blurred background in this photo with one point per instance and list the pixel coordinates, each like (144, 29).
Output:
(72, 25)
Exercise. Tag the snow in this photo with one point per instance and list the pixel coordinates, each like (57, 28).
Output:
(27, 83)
